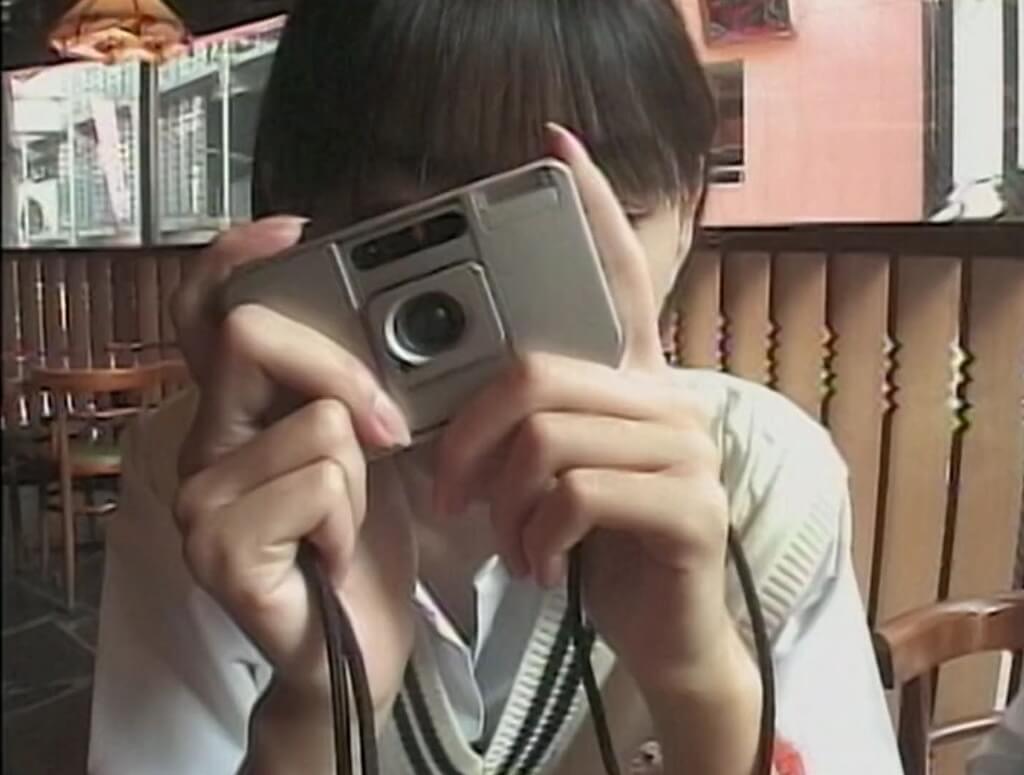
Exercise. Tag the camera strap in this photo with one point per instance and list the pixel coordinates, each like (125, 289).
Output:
(347, 670)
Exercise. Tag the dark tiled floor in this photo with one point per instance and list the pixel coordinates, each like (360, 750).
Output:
(47, 671)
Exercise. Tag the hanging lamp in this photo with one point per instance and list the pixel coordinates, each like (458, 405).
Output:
(112, 31)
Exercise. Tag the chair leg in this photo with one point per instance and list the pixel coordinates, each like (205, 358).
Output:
(91, 502)
(44, 533)
(67, 504)
(17, 535)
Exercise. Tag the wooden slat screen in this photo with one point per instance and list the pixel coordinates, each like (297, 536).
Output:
(912, 353)
(858, 397)
(75, 308)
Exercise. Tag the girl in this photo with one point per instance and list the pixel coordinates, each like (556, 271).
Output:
(451, 557)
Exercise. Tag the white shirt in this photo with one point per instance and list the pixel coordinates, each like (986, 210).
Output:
(175, 679)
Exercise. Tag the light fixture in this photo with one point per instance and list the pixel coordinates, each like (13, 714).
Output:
(113, 31)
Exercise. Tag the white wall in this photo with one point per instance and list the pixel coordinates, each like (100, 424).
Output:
(1020, 91)
(977, 89)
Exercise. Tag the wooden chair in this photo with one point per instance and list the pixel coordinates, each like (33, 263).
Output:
(83, 446)
(913, 645)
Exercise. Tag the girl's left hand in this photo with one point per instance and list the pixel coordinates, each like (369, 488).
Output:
(566, 450)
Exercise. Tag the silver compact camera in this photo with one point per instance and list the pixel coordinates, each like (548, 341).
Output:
(436, 298)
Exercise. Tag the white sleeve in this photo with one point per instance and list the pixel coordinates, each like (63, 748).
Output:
(1002, 751)
(175, 680)
(830, 702)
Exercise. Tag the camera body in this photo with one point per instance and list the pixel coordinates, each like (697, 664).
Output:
(438, 297)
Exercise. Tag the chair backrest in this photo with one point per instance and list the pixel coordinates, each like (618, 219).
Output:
(913, 645)
(85, 309)
(141, 378)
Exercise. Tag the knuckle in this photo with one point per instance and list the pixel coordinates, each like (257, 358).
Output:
(703, 451)
(330, 481)
(574, 492)
(688, 410)
(332, 424)
(239, 326)
(189, 503)
(206, 556)
(708, 499)
(536, 437)
(528, 375)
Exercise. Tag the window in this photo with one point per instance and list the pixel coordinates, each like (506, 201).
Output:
(72, 146)
(208, 111)
(726, 81)
(72, 153)
(729, 21)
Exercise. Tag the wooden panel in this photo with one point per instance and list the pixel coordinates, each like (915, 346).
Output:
(30, 286)
(926, 321)
(101, 308)
(9, 286)
(169, 270)
(745, 298)
(148, 306)
(982, 557)
(697, 302)
(126, 319)
(11, 342)
(798, 313)
(78, 312)
(54, 312)
(858, 304)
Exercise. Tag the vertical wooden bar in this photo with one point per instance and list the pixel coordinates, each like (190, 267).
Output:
(855, 410)
(78, 311)
(698, 300)
(77, 294)
(926, 321)
(169, 270)
(101, 308)
(746, 282)
(55, 311)
(126, 318)
(988, 517)
(798, 312)
(148, 306)
(30, 286)
(11, 341)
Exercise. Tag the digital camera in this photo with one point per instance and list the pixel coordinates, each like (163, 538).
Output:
(437, 297)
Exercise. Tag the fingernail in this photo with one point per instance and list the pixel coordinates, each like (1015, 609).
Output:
(391, 425)
(564, 142)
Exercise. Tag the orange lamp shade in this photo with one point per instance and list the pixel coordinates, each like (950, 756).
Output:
(113, 31)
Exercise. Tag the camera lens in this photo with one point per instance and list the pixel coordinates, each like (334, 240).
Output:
(429, 324)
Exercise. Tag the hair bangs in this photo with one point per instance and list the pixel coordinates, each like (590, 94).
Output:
(446, 91)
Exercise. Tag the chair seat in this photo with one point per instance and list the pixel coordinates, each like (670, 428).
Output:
(90, 459)
(35, 459)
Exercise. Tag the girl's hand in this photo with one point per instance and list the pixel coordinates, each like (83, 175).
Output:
(274, 456)
(622, 459)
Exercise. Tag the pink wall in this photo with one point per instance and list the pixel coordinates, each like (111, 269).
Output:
(833, 116)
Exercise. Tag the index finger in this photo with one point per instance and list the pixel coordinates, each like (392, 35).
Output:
(193, 303)
(622, 255)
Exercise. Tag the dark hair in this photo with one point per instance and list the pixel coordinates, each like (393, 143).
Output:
(458, 89)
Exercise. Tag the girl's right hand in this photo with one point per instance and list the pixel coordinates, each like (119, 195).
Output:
(274, 456)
